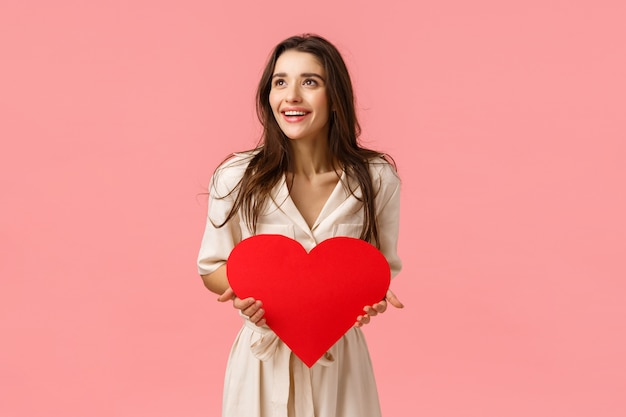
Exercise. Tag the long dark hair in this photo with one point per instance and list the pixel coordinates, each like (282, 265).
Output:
(273, 154)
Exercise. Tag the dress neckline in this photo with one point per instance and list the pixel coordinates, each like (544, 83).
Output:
(336, 197)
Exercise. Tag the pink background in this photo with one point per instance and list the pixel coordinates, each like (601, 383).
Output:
(506, 120)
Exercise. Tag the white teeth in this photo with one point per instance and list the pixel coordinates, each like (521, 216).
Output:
(294, 113)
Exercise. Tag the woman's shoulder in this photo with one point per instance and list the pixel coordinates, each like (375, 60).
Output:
(383, 169)
(229, 173)
(237, 161)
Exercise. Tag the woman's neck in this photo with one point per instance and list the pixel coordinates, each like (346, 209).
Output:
(311, 157)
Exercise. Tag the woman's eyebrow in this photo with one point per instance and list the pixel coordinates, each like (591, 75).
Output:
(311, 74)
(303, 75)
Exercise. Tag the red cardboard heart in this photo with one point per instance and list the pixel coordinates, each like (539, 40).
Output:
(310, 299)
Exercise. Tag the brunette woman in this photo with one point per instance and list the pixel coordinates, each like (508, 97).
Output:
(310, 180)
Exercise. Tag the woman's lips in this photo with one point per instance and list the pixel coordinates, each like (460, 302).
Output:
(294, 116)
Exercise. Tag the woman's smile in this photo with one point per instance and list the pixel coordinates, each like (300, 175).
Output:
(294, 114)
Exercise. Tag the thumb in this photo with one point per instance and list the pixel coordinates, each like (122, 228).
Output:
(227, 295)
(393, 300)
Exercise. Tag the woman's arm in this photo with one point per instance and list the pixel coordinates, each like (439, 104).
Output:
(388, 213)
(216, 281)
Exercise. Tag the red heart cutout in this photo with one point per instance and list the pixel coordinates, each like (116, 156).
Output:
(310, 299)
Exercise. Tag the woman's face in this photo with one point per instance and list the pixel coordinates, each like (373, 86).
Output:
(298, 96)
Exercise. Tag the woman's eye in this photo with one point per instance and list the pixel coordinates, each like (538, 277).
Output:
(310, 82)
(279, 83)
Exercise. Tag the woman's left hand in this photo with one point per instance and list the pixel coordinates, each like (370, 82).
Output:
(380, 307)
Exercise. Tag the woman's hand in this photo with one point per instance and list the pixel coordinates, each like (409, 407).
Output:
(380, 307)
(249, 307)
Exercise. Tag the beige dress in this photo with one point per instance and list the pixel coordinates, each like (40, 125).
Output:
(263, 378)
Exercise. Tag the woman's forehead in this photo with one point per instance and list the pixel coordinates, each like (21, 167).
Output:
(292, 62)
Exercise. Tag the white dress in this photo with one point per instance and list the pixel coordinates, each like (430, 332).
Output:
(263, 378)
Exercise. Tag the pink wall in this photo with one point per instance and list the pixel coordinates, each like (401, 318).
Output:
(507, 123)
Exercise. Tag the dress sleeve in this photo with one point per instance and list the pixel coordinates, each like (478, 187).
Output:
(218, 242)
(388, 217)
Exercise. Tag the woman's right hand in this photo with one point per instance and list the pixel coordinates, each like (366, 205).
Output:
(249, 307)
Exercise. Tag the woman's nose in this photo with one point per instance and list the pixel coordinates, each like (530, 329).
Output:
(293, 94)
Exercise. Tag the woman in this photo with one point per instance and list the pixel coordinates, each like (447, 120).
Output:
(309, 180)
